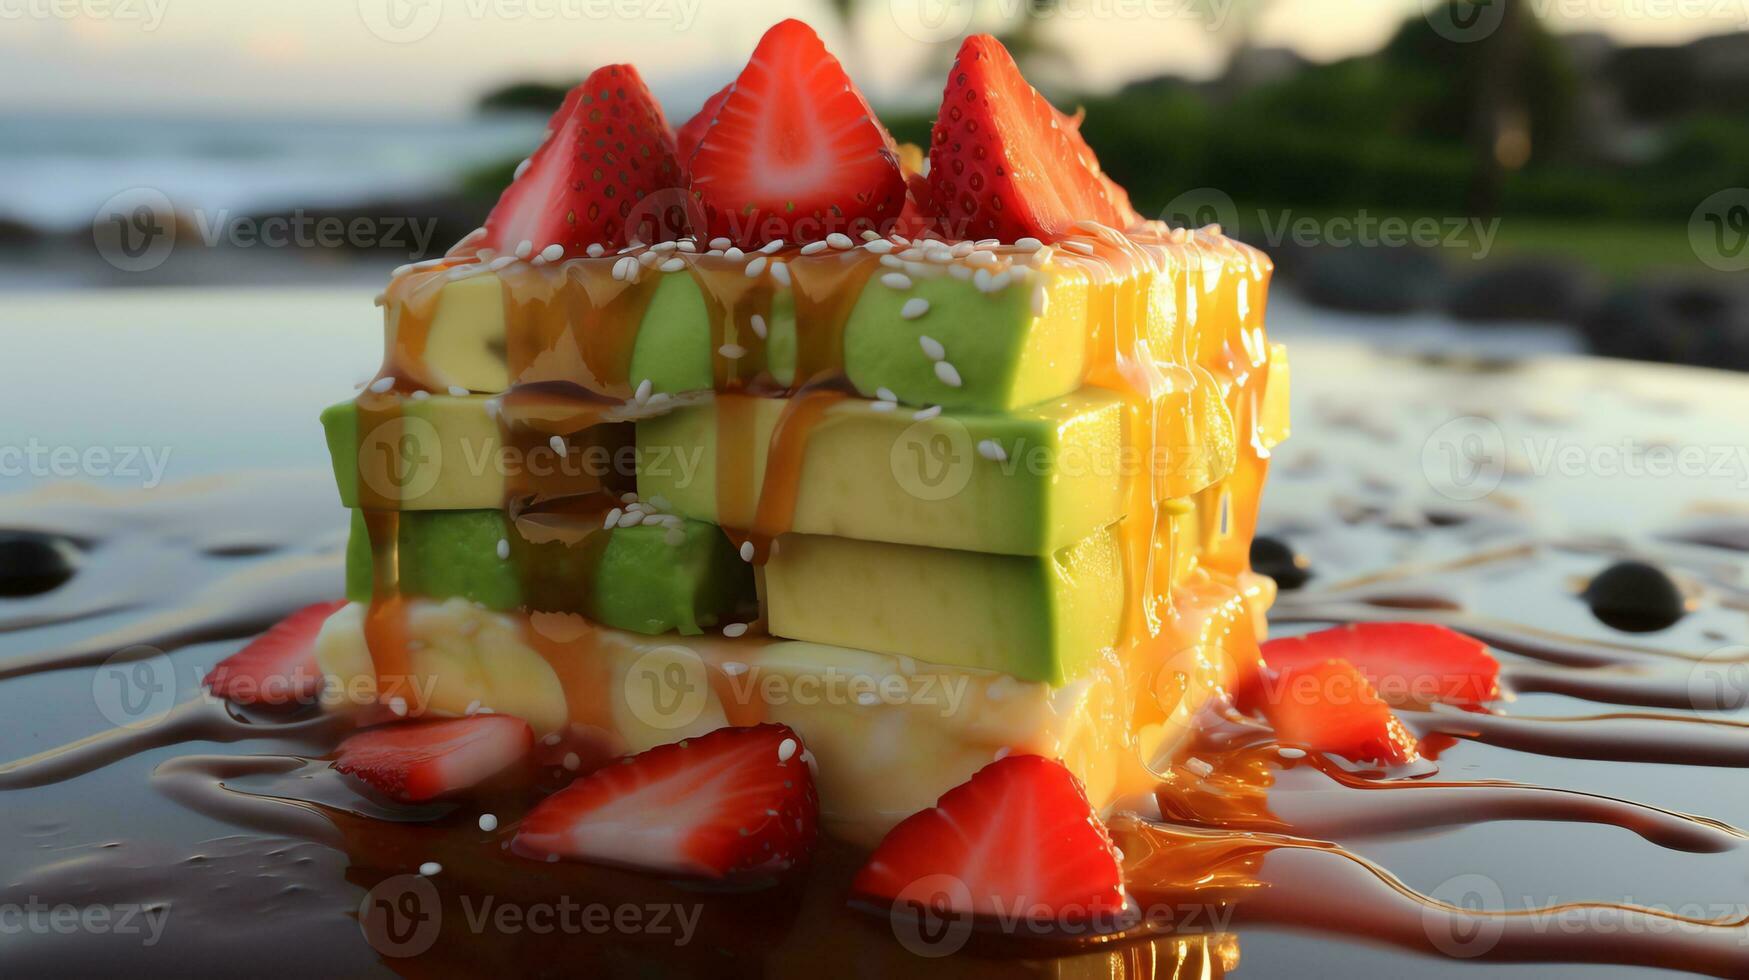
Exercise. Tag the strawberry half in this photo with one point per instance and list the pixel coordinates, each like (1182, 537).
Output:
(1019, 836)
(279, 666)
(422, 760)
(1330, 707)
(1407, 663)
(735, 801)
(690, 134)
(609, 147)
(1004, 163)
(795, 152)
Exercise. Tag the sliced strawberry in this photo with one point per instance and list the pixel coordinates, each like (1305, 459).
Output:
(608, 147)
(734, 801)
(1004, 163)
(277, 667)
(422, 760)
(1330, 707)
(690, 134)
(795, 152)
(1407, 663)
(1018, 838)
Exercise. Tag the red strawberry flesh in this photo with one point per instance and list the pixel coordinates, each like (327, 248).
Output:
(609, 148)
(734, 801)
(691, 133)
(423, 760)
(1407, 663)
(795, 152)
(279, 666)
(1004, 163)
(1019, 837)
(1330, 707)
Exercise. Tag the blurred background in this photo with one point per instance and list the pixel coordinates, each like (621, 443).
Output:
(1480, 177)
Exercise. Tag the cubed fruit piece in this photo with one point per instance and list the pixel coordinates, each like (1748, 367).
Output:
(795, 153)
(279, 666)
(1407, 663)
(1044, 618)
(1017, 839)
(649, 578)
(609, 147)
(423, 760)
(734, 802)
(880, 475)
(443, 554)
(1006, 164)
(1329, 706)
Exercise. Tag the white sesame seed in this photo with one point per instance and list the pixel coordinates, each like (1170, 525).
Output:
(960, 272)
(572, 762)
(734, 253)
(720, 243)
(981, 257)
(839, 240)
(988, 242)
(421, 395)
(1000, 281)
(772, 247)
(552, 739)
(982, 279)
(926, 414)
(931, 347)
(458, 391)
(732, 351)
(624, 267)
(522, 168)
(814, 248)
(886, 394)
(674, 264)
(780, 273)
(596, 250)
(502, 262)
(867, 698)
(1028, 244)
(553, 253)
(398, 705)
(786, 749)
(896, 280)
(1083, 247)
(1289, 752)
(947, 374)
(558, 444)
(755, 267)
(757, 322)
(488, 822)
(503, 549)
(746, 551)
(880, 406)
(892, 262)
(524, 249)
(430, 868)
(879, 246)
(992, 450)
(642, 393)
(1002, 753)
(914, 307)
(648, 259)
(381, 385)
(913, 254)
(734, 630)
(687, 245)
(631, 518)
(734, 668)
(674, 537)
(1201, 768)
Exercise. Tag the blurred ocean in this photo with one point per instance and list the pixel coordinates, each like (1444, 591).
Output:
(56, 170)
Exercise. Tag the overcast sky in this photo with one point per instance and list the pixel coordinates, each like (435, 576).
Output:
(436, 56)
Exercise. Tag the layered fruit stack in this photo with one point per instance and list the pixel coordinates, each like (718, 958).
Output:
(933, 460)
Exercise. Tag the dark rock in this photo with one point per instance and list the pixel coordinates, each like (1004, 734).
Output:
(31, 564)
(1635, 597)
(1534, 289)
(15, 234)
(1278, 560)
(1359, 279)
(1699, 322)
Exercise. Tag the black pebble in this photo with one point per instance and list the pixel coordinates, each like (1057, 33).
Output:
(1276, 558)
(1635, 597)
(31, 564)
